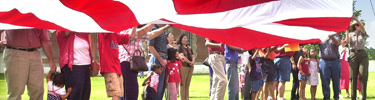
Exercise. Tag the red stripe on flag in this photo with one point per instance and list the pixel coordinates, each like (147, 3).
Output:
(336, 24)
(212, 6)
(14, 17)
(242, 37)
(110, 15)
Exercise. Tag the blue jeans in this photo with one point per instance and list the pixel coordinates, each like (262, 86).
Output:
(328, 70)
(232, 76)
(161, 85)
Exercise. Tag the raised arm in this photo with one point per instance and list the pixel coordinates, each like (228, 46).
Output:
(157, 32)
(360, 24)
(144, 30)
(213, 45)
(334, 40)
(277, 50)
(299, 63)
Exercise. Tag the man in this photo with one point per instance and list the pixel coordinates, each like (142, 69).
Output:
(231, 58)
(158, 49)
(216, 60)
(283, 67)
(24, 63)
(330, 66)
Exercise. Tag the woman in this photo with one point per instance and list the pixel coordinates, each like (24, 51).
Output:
(187, 59)
(344, 80)
(358, 59)
(130, 80)
(171, 41)
(75, 61)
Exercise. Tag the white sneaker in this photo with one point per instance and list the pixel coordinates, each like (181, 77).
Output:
(269, 98)
(280, 99)
(341, 96)
(360, 97)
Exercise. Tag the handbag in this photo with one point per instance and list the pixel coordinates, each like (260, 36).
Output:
(137, 63)
(205, 62)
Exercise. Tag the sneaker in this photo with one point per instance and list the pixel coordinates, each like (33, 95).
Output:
(280, 99)
(360, 97)
(269, 98)
(341, 96)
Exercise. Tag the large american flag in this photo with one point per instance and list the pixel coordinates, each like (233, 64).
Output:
(242, 23)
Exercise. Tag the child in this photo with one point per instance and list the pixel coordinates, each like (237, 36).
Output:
(314, 70)
(303, 75)
(110, 62)
(173, 69)
(268, 72)
(55, 87)
(255, 64)
(152, 80)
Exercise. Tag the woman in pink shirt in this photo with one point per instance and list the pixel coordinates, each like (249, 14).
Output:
(75, 62)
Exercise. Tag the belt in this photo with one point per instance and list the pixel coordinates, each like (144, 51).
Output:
(217, 52)
(162, 53)
(330, 59)
(23, 49)
(359, 50)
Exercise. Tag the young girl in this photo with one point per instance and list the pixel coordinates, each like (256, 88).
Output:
(303, 75)
(314, 70)
(55, 87)
(173, 67)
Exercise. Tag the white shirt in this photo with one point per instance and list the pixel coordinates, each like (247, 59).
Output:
(81, 52)
(342, 54)
(54, 90)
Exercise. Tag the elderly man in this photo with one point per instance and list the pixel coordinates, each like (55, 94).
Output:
(24, 63)
(330, 66)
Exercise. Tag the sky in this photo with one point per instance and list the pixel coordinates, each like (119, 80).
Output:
(367, 14)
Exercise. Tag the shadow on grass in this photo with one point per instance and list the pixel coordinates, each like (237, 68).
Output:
(2, 77)
(201, 97)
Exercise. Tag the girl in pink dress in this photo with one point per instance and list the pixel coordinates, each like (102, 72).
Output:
(344, 81)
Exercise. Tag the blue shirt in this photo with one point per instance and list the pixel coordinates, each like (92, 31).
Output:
(328, 49)
(256, 68)
(230, 54)
(160, 42)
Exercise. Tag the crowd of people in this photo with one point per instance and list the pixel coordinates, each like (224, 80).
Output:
(264, 71)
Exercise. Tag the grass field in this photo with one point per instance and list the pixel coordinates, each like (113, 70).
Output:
(199, 89)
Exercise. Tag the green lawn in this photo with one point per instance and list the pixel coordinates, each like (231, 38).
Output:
(198, 91)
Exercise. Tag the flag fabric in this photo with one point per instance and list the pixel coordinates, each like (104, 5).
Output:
(243, 23)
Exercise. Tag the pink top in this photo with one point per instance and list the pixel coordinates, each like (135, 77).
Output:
(66, 45)
(26, 38)
(173, 69)
(305, 66)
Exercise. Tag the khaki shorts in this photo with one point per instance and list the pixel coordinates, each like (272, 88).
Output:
(114, 84)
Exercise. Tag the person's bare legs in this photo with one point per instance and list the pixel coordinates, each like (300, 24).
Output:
(347, 93)
(281, 89)
(259, 93)
(271, 89)
(302, 89)
(313, 92)
(115, 98)
(265, 91)
(276, 85)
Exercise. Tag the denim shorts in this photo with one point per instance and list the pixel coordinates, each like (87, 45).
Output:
(268, 70)
(256, 85)
(303, 77)
(283, 68)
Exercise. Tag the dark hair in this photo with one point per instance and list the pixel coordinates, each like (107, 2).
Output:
(155, 66)
(180, 39)
(251, 52)
(172, 54)
(58, 79)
